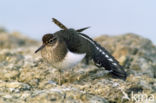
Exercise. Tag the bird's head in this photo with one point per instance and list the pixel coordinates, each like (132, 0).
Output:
(47, 40)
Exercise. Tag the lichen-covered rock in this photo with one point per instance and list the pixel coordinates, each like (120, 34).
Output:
(26, 78)
(135, 53)
(14, 40)
(2, 30)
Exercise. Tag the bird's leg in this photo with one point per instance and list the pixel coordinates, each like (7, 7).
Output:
(60, 77)
(85, 62)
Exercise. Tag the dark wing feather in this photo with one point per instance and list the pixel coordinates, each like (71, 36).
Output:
(82, 29)
(103, 58)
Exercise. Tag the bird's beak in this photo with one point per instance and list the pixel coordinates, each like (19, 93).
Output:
(40, 48)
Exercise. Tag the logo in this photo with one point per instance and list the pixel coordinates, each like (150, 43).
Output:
(142, 97)
(138, 97)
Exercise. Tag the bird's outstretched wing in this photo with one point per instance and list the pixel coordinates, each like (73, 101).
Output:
(103, 58)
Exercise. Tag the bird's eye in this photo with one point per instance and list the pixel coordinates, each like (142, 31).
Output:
(51, 40)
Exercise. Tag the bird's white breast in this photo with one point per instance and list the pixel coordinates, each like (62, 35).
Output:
(71, 59)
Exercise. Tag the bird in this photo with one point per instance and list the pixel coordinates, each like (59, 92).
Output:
(67, 47)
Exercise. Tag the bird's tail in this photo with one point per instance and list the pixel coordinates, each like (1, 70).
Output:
(103, 58)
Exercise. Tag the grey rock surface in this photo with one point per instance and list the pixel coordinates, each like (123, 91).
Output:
(26, 78)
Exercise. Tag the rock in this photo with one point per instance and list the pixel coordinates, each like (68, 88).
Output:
(14, 40)
(135, 53)
(66, 95)
(26, 78)
(2, 30)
